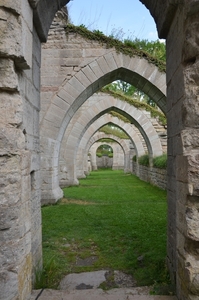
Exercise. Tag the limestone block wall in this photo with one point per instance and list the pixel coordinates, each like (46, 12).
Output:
(155, 176)
(104, 162)
(20, 216)
(183, 166)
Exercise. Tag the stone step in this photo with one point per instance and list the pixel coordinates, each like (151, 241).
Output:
(97, 294)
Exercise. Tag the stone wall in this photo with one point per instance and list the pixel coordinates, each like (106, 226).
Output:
(104, 162)
(155, 176)
(20, 224)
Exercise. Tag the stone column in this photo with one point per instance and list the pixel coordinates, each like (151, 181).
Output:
(183, 149)
(20, 216)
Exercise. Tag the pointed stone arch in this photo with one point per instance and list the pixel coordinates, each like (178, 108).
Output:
(89, 137)
(118, 153)
(93, 67)
(125, 145)
(104, 103)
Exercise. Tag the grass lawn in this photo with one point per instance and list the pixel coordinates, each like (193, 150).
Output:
(113, 217)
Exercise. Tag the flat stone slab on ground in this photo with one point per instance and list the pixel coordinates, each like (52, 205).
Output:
(98, 294)
(85, 280)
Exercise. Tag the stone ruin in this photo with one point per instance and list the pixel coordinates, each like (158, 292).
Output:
(29, 149)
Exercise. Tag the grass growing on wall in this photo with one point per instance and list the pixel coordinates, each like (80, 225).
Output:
(112, 216)
(160, 161)
(130, 48)
(144, 160)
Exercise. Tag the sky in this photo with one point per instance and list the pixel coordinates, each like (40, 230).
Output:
(124, 19)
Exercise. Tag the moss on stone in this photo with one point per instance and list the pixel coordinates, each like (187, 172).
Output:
(138, 104)
(111, 42)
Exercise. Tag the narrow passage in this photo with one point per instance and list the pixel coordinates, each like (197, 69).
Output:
(111, 222)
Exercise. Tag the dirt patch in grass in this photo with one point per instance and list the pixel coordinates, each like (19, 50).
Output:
(75, 201)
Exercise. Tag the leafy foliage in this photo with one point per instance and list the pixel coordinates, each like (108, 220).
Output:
(144, 160)
(138, 104)
(154, 48)
(114, 130)
(160, 161)
(134, 158)
(104, 150)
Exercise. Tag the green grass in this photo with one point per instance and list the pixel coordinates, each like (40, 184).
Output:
(160, 161)
(110, 215)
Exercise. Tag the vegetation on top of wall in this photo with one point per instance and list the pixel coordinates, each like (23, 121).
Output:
(134, 158)
(138, 104)
(106, 140)
(144, 160)
(114, 131)
(160, 161)
(129, 48)
(119, 116)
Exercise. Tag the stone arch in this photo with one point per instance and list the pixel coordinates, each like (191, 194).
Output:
(83, 144)
(89, 137)
(107, 103)
(178, 22)
(125, 145)
(89, 74)
(118, 154)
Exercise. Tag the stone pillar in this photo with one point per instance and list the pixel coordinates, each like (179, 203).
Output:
(93, 161)
(20, 215)
(183, 149)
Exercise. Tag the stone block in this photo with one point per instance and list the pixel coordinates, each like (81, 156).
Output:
(16, 38)
(11, 140)
(103, 65)
(192, 219)
(25, 277)
(8, 284)
(96, 69)
(8, 76)
(11, 109)
(26, 47)
(10, 32)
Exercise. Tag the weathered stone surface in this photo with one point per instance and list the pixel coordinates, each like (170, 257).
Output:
(16, 38)
(192, 218)
(8, 285)
(8, 76)
(11, 109)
